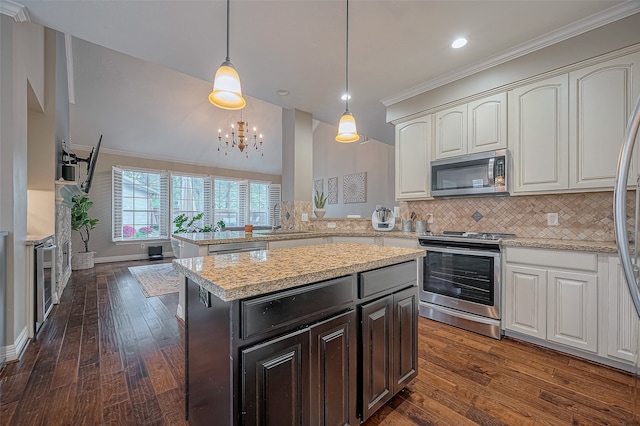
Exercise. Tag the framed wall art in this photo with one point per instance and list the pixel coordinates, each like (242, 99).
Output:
(354, 188)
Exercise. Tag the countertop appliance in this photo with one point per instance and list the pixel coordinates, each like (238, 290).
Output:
(383, 219)
(461, 283)
(484, 173)
(44, 277)
(629, 256)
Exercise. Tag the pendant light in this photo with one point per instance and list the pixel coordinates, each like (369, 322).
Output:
(227, 92)
(347, 132)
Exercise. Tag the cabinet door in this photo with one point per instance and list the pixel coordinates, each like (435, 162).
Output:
(526, 304)
(487, 123)
(405, 338)
(376, 387)
(275, 381)
(601, 99)
(622, 321)
(333, 371)
(538, 120)
(401, 242)
(451, 132)
(293, 243)
(572, 309)
(413, 153)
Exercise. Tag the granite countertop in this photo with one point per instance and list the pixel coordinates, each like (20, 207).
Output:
(236, 276)
(557, 244)
(205, 238)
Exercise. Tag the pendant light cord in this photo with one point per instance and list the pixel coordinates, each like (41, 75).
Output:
(347, 62)
(228, 59)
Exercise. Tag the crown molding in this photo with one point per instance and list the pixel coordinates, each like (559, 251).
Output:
(14, 10)
(592, 22)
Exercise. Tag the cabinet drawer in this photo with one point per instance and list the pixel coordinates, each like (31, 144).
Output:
(385, 279)
(299, 305)
(553, 258)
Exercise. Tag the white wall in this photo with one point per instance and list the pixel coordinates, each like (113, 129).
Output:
(331, 159)
(21, 61)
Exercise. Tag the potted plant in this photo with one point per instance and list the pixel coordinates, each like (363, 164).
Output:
(319, 201)
(184, 224)
(83, 223)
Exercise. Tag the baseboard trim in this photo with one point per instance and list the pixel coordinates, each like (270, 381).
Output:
(15, 351)
(127, 257)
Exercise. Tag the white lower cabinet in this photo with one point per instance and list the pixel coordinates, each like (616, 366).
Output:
(526, 297)
(572, 309)
(622, 320)
(294, 243)
(576, 302)
(402, 242)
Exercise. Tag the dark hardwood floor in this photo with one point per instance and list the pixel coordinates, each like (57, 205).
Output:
(110, 356)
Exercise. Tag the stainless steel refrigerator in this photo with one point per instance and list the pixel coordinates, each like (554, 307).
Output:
(627, 231)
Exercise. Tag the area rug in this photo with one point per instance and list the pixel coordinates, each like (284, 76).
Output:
(155, 280)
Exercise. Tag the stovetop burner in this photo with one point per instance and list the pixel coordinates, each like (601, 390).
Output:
(466, 236)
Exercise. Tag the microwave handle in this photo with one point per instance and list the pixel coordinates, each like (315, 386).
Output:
(491, 171)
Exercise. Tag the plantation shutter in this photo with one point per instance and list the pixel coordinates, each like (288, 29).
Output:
(243, 202)
(116, 204)
(163, 214)
(275, 199)
(207, 206)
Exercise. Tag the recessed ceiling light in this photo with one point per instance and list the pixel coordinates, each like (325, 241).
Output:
(283, 92)
(459, 42)
(344, 97)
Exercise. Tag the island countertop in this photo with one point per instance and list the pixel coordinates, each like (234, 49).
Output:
(240, 275)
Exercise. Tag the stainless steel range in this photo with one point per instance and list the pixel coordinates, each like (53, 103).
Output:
(462, 280)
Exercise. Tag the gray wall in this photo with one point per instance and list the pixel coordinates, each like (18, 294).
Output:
(331, 159)
(21, 64)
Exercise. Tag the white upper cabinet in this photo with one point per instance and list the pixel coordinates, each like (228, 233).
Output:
(451, 132)
(478, 126)
(601, 97)
(538, 121)
(413, 153)
(487, 123)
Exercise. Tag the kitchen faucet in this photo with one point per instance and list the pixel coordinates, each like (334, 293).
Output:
(274, 221)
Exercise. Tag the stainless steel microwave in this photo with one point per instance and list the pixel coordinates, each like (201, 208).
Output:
(483, 173)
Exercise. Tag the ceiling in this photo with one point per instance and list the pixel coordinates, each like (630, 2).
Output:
(397, 49)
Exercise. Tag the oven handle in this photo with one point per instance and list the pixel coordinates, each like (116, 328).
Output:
(462, 250)
(47, 247)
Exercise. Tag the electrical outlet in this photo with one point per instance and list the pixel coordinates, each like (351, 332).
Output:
(552, 219)
(429, 218)
(142, 246)
(331, 224)
(305, 217)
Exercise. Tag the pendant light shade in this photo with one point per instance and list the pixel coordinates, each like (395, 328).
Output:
(227, 91)
(347, 131)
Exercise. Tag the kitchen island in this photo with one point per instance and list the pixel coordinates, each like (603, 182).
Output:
(308, 335)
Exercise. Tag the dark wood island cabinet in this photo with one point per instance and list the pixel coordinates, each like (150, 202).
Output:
(325, 352)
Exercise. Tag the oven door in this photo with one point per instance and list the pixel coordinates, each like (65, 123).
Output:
(463, 279)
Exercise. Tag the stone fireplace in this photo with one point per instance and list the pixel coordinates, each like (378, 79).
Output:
(64, 192)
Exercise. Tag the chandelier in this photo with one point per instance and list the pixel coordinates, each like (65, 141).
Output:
(240, 137)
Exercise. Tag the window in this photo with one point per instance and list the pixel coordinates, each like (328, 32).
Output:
(259, 204)
(191, 195)
(239, 202)
(227, 203)
(140, 204)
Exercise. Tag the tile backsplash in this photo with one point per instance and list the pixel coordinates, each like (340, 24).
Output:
(583, 216)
